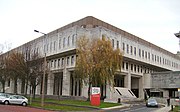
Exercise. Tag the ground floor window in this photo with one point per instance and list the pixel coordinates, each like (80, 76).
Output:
(75, 85)
(58, 79)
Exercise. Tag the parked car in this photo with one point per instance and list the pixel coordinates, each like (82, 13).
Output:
(14, 99)
(151, 102)
(4, 95)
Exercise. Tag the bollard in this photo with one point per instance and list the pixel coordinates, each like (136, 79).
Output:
(171, 107)
(119, 100)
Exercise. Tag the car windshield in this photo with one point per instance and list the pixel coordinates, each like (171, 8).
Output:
(4, 95)
(151, 100)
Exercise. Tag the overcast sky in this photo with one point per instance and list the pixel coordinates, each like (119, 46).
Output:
(153, 20)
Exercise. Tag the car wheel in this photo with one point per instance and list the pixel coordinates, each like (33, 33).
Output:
(6, 102)
(24, 104)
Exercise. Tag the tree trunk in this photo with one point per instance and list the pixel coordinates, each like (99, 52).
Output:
(26, 87)
(15, 86)
(23, 86)
(89, 92)
(3, 84)
(34, 89)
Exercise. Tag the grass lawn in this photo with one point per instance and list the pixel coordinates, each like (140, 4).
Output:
(58, 107)
(70, 103)
(176, 109)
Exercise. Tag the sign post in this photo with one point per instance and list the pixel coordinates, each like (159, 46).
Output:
(179, 97)
(95, 96)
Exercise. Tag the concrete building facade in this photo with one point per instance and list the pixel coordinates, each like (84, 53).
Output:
(140, 57)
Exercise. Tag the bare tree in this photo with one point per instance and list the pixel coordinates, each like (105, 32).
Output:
(17, 67)
(97, 61)
(35, 75)
(27, 70)
(4, 76)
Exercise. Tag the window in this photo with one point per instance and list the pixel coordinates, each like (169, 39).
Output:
(160, 60)
(135, 51)
(37, 50)
(149, 55)
(50, 46)
(131, 67)
(134, 68)
(67, 60)
(59, 62)
(123, 46)
(143, 53)
(68, 41)
(73, 37)
(48, 65)
(113, 43)
(47, 47)
(123, 65)
(138, 68)
(72, 60)
(139, 52)
(127, 48)
(126, 66)
(59, 43)
(54, 45)
(62, 62)
(163, 60)
(117, 44)
(64, 40)
(146, 54)
(54, 63)
(131, 50)
(44, 49)
(152, 57)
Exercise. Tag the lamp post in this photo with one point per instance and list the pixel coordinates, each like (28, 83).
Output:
(178, 36)
(44, 73)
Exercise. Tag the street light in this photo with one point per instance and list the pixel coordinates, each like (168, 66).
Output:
(178, 36)
(44, 73)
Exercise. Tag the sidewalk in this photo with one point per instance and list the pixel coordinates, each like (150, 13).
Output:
(164, 109)
(121, 106)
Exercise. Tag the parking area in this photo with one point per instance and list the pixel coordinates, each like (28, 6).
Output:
(16, 108)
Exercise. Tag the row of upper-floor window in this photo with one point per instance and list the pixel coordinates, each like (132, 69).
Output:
(61, 62)
(52, 46)
(136, 68)
(132, 50)
(60, 43)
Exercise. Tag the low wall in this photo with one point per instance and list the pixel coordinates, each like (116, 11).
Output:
(173, 101)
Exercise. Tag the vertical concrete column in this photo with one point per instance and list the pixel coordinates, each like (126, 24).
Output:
(84, 91)
(108, 91)
(74, 81)
(141, 87)
(11, 86)
(78, 87)
(50, 84)
(19, 86)
(66, 83)
(127, 81)
(38, 89)
(128, 77)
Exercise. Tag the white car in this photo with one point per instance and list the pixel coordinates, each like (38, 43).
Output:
(14, 99)
(151, 102)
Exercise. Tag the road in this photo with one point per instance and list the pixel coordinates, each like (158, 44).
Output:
(16, 108)
(139, 107)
